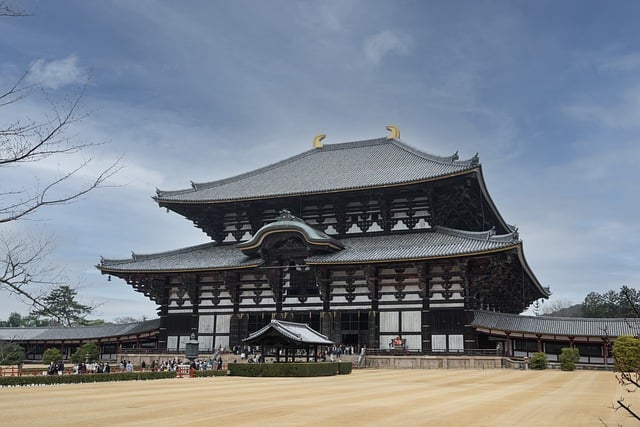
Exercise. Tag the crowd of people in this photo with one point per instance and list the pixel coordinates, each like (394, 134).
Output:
(249, 353)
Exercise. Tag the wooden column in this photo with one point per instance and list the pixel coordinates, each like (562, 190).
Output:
(373, 336)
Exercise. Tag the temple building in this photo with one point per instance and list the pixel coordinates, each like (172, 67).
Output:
(364, 241)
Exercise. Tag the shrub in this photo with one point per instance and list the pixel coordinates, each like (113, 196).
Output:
(84, 378)
(212, 373)
(568, 358)
(11, 354)
(295, 369)
(88, 352)
(626, 353)
(51, 355)
(538, 361)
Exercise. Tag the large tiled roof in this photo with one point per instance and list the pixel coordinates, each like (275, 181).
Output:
(565, 326)
(436, 243)
(336, 167)
(298, 333)
(208, 256)
(79, 333)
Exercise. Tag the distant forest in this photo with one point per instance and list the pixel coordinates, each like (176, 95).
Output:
(611, 304)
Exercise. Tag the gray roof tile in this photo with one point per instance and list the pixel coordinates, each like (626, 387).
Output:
(208, 256)
(79, 333)
(299, 333)
(353, 165)
(567, 326)
(435, 243)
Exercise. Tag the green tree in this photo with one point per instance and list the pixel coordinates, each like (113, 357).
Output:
(538, 361)
(626, 354)
(611, 303)
(88, 352)
(568, 357)
(11, 354)
(51, 355)
(62, 307)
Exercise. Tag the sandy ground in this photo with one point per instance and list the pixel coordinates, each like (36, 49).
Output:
(366, 397)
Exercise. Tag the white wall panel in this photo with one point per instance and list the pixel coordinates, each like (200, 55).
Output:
(439, 343)
(172, 342)
(223, 322)
(411, 321)
(205, 324)
(205, 343)
(413, 342)
(456, 342)
(222, 342)
(389, 321)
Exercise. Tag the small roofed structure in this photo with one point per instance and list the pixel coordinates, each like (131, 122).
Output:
(291, 337)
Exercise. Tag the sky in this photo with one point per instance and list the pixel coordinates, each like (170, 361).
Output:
(547, 92)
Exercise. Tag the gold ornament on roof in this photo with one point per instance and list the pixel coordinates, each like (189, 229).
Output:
(317, 139)
(395, 132)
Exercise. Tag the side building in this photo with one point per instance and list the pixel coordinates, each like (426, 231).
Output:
(364, 241)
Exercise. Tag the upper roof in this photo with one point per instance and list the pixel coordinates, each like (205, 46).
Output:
(566, 326)
(281, 332)
(336, 167)
(79, 333)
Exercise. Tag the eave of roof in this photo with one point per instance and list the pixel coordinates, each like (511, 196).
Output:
(354, 165)
(205, 257)
(78, 333)
(555, 326)
(437, 243)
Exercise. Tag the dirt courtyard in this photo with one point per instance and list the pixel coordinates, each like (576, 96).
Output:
(365, 398)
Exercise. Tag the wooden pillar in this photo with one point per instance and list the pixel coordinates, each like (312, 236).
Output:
(373, 336)
(161, 287)
(539, 343)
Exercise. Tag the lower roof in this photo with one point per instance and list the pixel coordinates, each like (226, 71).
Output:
(439, 242)
(486, 321)
(563, 326)
(78, 333)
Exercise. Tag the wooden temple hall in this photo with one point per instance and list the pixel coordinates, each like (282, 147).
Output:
(364, 241)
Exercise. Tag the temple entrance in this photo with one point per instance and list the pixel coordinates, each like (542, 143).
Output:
(350, 339)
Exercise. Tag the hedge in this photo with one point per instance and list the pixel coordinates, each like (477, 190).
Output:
(83, 378)
(212, 373)
(295, 369)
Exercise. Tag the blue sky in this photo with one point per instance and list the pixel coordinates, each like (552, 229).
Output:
(547, 92)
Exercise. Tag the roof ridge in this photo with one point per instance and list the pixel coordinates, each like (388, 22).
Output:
(195, 186)
(452, 159)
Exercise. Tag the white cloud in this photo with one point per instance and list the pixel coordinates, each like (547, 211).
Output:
(621, 113)
(623, 63)
(385, 43)
(58, 73)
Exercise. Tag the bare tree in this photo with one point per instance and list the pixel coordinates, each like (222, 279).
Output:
(626, 351)
(8, 10)
(26, 140)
